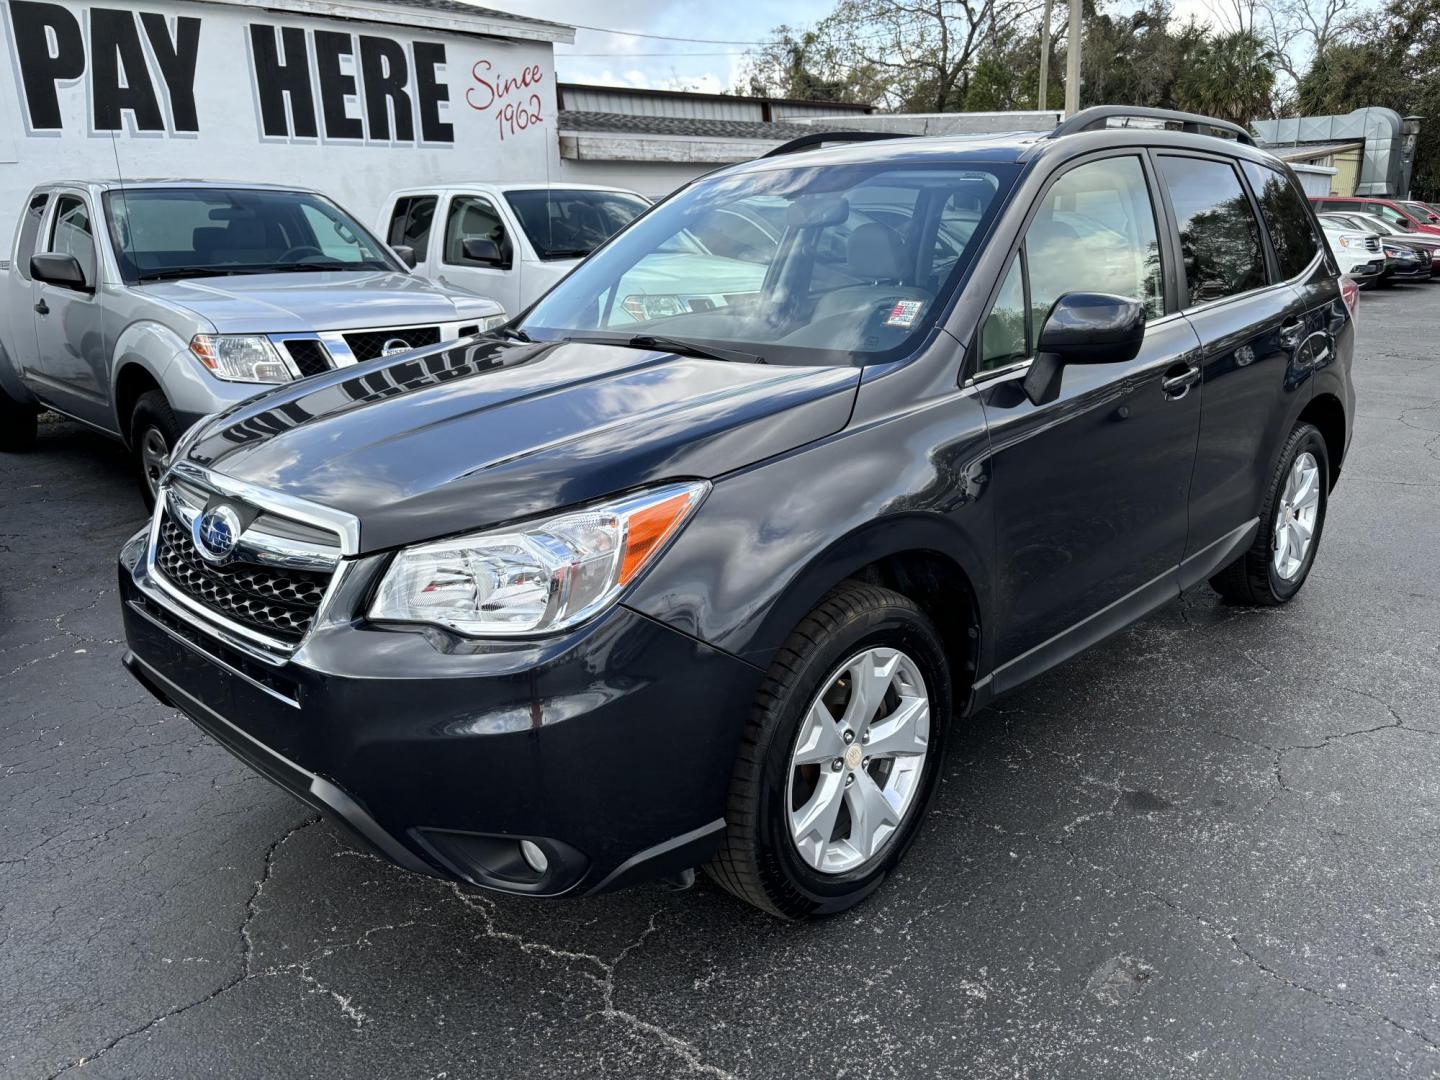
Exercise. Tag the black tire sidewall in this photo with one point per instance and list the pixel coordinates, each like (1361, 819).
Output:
(151, 411)
(895, 627)
(1310, 440)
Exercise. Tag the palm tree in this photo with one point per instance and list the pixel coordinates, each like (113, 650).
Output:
(1229, 76)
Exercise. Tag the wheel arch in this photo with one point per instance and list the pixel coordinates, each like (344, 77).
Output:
(132, 380)
(919, 556)
(1327, 413)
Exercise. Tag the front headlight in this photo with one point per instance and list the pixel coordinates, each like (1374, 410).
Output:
(539, 577)
(490, 322)
(240, 358)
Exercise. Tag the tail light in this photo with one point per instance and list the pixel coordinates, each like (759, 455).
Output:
(1350, 293)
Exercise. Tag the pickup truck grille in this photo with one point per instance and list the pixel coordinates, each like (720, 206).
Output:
(368, 344)
(280, 604)
(309, 355)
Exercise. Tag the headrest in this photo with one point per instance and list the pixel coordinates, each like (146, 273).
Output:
(876, 253)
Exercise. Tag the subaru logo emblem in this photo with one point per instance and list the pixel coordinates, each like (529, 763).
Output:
(215, 533)
(394, 346)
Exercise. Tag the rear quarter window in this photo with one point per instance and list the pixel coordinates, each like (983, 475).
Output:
(1286, 218)
(29, 234)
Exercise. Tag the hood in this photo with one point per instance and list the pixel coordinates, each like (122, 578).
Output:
(316, 302)
(492, 431)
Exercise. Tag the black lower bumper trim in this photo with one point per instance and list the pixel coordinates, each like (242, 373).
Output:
(306, 786)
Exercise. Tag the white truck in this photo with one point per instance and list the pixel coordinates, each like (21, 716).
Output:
(138, 308)
(511, 242)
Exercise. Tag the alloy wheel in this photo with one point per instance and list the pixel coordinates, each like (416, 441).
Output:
(1296, 516)
(858, 761)
(153, 454)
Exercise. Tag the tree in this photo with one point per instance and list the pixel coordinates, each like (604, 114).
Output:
(801, 66)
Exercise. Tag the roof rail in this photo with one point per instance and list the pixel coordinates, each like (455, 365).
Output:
(1096, 116)
(818, 138)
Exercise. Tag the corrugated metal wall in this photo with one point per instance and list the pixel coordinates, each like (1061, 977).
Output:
(598, 99)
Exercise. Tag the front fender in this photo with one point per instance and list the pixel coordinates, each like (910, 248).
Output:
(769, 542)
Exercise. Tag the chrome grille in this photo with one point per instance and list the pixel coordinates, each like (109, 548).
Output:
(281, 604)
(368, 344)
(309, 355)
(1372, 243)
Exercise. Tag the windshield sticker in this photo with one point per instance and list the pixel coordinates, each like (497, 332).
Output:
(904, 313)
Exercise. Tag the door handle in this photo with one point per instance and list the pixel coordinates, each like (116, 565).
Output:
(1179, 378)
(41, 307)
(1290, 331)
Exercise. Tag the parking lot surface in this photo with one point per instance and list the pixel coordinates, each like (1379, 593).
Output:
(1204, 848)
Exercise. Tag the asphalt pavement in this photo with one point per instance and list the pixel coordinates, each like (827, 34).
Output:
(1205, 848)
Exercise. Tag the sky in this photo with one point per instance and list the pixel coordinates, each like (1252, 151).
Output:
(619, 60)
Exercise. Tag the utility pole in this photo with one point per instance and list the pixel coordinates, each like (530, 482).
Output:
(1045, 56)
(1072, 62)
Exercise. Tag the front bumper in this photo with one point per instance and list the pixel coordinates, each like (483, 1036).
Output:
(610, 747)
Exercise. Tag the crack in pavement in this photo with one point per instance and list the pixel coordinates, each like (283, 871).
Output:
(246, 963)
(688, 1053)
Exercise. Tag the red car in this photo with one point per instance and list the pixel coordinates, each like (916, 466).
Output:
(1402, 213)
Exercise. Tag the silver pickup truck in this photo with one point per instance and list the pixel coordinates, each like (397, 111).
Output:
(139, 308)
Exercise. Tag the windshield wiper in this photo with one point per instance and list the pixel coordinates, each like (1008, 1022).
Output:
(510, 333)
(170, 273)
(674, 345)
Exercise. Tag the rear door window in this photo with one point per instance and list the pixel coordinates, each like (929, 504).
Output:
(1219, 237)
(1286, 217)
(29, 234)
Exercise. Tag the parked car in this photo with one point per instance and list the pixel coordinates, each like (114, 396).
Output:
(511, 242)
(1404, 215)
(139, 308)
(592, 600)
(1430, 245)
(1357, 250)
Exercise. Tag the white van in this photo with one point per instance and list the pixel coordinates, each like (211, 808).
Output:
(510, 242)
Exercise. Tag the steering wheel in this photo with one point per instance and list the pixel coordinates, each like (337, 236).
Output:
(301, 251)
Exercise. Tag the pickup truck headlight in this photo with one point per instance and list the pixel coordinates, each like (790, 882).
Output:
(539, 577)
(490, 322)
(240, 358)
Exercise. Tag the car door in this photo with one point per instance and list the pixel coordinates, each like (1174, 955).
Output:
(473, 216)
(1090, 488)
(1252, 325)
(72, 361)
(18, 333)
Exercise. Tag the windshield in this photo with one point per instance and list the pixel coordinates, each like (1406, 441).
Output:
(837, 264)
(193, 232)
(568, 224)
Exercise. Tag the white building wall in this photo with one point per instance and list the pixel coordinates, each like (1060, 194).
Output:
(488, 112)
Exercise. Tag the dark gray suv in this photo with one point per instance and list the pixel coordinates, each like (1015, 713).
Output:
(697, 561)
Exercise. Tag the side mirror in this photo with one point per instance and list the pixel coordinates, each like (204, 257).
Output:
(406, 254)
(1084, 328)
(63, 271)
(486, 252)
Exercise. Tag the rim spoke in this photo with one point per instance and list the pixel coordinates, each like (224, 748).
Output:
(872, 818)
(1306, 489)
(1303, 529)
(904, 731)
(870, 677)
(813, 823)
(819, 740)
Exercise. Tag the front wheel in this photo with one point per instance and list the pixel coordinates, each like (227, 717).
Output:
(1291, 520)
(839, 758)
(154, 430)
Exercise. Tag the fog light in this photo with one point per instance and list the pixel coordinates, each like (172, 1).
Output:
(534, 857)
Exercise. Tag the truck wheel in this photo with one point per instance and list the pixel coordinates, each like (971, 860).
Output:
(839, 758)
(154, 431)
(17, 424)
(1291, 520)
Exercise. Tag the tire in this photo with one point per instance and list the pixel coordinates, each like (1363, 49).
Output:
(152, 419)
(758, 861)
(18, 422)
(1254, 577)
